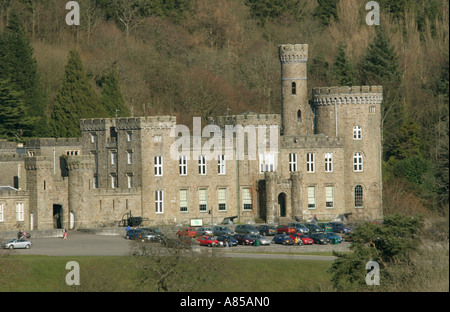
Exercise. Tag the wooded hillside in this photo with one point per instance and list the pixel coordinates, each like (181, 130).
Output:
(206, 58)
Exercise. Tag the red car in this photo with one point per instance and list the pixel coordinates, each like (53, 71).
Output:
(190, 232)
(286, 229)
(305, 239)
(208, 241)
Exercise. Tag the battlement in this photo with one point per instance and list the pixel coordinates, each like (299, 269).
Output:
(38, 162)
(308, 141)
(293, 53)
(249, 118)
(127, 123)
(53, 142)
(348, 95)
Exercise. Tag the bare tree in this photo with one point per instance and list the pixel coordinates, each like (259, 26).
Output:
(127, 12)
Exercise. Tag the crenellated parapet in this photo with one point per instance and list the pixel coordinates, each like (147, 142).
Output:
(38, 162)
(293, 53)
(128, 123)
(347, 95)
(249, 118)
(80, 162)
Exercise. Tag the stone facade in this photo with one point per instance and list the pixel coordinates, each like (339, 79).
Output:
(320, 157)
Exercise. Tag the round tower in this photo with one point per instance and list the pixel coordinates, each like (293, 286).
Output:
(297, 115)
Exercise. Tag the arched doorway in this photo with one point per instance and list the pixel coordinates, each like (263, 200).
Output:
(57, 216)
(282, 203)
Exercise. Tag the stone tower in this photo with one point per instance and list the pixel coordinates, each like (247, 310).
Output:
(297, 115)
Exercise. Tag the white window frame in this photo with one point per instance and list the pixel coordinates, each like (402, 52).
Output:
(358, 162)
(159, 201)
(357, 133)
(2, 212)
(129, 136)
(312, 197)
(182, 165)
(94, 137)
(158, 166)
(292, 162)
(310, 165)
(20, 211)
(222, 199)
(221, 165)
(247, 204)
(203, 200)
(202, 165)
(130, 157)
(114, 183)
(328, 162)
(329, 197)
(114, 158)
(130, 180)
(266, 162)
(183, 200)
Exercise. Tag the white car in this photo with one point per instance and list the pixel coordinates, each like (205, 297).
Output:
(17, 243)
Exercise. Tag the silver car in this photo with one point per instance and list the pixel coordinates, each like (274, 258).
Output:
(205, 231)
(262, 239)
(17, 243)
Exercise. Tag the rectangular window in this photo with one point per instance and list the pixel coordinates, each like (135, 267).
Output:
(157, 139)
(129, 157)
(129, 136)
(246, 199)
(310, 162)
(95, 182)
(159, 201)
(357, 162)
(328, 162)
(158, 166)
(266, 162)
(183, 201)
(221, 165)
(203, 203)
(19, 211)
(202, 165)
(292, 162)
(93, 137)
(222, 199)
(113, 181)
(329, 196)
(113, 157)
(311, 197)
(182, 162)
(130, 180)
(2, 218)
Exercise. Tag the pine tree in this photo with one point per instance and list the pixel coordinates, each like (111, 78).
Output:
(19, 66)
(343, 72)
(111, 97)
(75, 99)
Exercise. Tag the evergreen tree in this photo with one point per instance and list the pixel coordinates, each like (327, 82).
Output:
(111, 97)
(326, 10)
(343, 72)
(75, 99)
(18, 65)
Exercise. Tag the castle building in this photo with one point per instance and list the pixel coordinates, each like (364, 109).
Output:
(320, 157)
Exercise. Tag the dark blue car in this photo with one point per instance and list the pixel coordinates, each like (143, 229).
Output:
(340, 227)
(283, 239)
(231, 239)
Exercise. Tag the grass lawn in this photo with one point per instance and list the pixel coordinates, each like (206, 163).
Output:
(48, 274)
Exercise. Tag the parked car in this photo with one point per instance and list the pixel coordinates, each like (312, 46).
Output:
(204, 231)
(151, 234)
(267, 230)
(244, 239)
(221, 230)
(283, 239)
(285, 229)
(319, 238)
(326, 226)
(340, 227)
(208, 241)
(245, 229)
(189, 231)
(314, 228)
(16, 243)
(301, 228)
(297, 239)
(262, 240)
(306, 239)
(133, 234)
(333, 237)
(230, 238)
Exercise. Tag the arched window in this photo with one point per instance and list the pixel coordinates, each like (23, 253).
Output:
(294, 88)
(359, 196)
(299, 116)
(357, 162)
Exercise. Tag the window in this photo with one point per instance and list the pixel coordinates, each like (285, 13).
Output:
(222, 199)
(158, 166)
(299, 116)
(359, 197)
(2, 218)
(19, 211)
(329, 196)
(113, 157)
(246, 199)
(157, 139)
(328, 162)
(93, 137)
(266, 162)
(357, 162)
(372, 109)
(130, 180)
(183, 164)
(72, 153)
(95, 182)
(113, 181)
(129, 157)
(159, 201)
(183, 201)
(129, 136)
(292, 162)
(294, 88)
(221, 165)
(203, 205)
(311, 197)
(310, 162)
(357, 133)
(202, 165)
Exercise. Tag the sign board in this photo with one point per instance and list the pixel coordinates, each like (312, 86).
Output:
(196, 222)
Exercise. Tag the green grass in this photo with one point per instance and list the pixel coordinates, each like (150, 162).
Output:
(47, 274)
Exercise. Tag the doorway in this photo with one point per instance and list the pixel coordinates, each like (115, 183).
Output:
(282, 203)
(57, 216)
